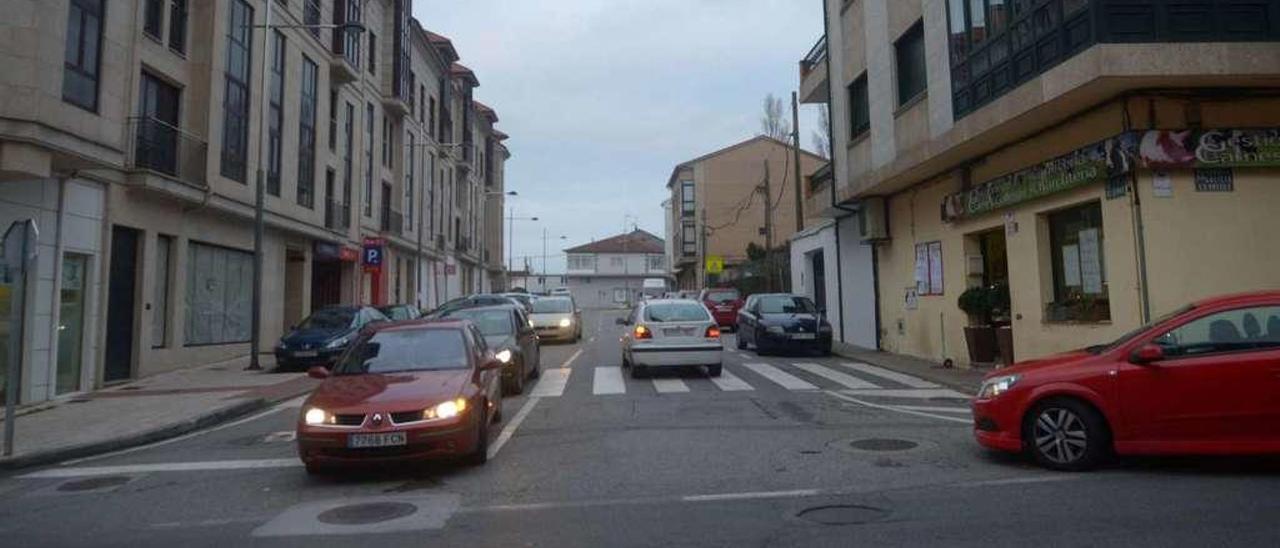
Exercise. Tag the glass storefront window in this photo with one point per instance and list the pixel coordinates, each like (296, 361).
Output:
(71, 309)
(6, 306)
(1079, 266)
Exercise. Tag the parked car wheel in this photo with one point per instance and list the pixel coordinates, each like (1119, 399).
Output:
(481, 454)
(1066, 434)
(638, 372)
(742, 343)
(514, 386)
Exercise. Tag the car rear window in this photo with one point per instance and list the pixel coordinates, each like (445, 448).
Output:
(490, 322)
(722, 296)
(330, 318)
(675, 312)
(406, 350)
(552, 306)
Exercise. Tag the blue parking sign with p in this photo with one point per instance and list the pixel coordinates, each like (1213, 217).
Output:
(373, 256)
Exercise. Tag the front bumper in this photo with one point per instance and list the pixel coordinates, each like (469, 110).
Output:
(325, 357)
(996, 424)
(555, 332)
(677, 356)
(327, 446)
(725, 318)
(770, 341)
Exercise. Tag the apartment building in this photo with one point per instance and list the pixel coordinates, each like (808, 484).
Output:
(1103, 162)
(134, 133)
(718, 205)
(611, 272)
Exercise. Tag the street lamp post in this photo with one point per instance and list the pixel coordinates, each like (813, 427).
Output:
(511, 234)
(544, 250)
(255, 337)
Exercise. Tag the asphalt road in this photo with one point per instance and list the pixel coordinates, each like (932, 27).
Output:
(781, 451)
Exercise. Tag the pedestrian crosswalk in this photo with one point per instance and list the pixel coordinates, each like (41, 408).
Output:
(850, 378)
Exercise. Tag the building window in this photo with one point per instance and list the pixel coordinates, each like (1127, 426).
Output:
(689, 238)
(373, 53)
(431, 115)
(911, 69)
(81, 59)
(333, 119)
(422, 96)
(1079, 266)
(657, 262)
(347, 153)
(408, 183)
(859, 108)
(687, 199)
(401, 46)
(386, 142)
(307, 134)
(219, 287)
(178, 26)
(616, 262)
(160, 292)
(153, 18)
(275, 118)
(580, 263)
(311, 16)
(235, 102)
(346, 41)
(368, 160)
(156, 141)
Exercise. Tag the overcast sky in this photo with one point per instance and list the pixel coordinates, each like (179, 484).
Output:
(602, 98)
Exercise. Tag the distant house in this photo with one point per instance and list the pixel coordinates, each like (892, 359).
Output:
(611, 272)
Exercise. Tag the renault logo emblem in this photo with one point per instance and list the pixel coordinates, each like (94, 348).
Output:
(377, 419)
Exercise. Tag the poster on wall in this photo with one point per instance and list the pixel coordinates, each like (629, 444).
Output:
(912, 299)
(1090, 262)
(1071, 265)
(935, 268)
(922, 269)
(1215, 180)
(1162, 185)
(1211, 148)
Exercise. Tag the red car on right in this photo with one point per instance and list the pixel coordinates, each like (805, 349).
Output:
(724, 304)
(1202, 380)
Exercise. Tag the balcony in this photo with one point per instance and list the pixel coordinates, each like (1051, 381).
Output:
(344, 64)
(813, 74)
(337, 216)
(461, 244)
(161, 149)
(391, 222)
(440, 243)
(395, 106)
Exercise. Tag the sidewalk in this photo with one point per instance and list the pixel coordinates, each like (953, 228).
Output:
(147, 410)
(963, 380)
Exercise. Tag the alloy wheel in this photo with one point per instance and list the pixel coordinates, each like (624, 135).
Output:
(1060, 435)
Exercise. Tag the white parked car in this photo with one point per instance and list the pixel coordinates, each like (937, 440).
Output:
(664, 333)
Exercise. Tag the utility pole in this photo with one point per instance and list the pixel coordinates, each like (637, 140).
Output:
(768, 226)
(795, 150)
(255, 318)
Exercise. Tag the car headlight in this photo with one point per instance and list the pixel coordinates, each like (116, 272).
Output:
(445, 410)
(995, 386)
(337, 343)
(503, 356)
(776, 329)
(566, 322)
(316, 416)
(282, 346)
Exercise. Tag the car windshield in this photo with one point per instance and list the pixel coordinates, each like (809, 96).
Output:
(785, 304)
(1100, 348)
(329, 318)
(552, 306)
(406, 350)
(676, 312)
(722, 296)
(490, 322)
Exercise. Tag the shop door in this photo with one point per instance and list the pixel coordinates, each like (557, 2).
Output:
(71, 308)
(820, 280)
(326, 284)
(995, 273)
(118, 364)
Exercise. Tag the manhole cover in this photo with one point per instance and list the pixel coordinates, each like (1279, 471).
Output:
(842, 514)
(883, 444)
(364, 514)
(93, 484)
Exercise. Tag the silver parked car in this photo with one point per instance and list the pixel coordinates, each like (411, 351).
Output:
(671, 333)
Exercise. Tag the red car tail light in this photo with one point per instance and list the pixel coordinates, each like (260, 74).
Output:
(713, 332)
(642, 332)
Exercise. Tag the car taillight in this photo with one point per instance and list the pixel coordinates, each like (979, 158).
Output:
(713, 332)
(642, 332)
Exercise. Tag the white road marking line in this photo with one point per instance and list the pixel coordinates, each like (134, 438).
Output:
(852, 399)
(163, 467)
(551, 384)
(843, 379)
(731, 383)
(961, 410)
(910, 393)
(608, 380)
(751, 496)
(1021, 481)
(282, 436)
(900, 378)
(569, 361)
(786, 380)
(510, 429)
(670, 386)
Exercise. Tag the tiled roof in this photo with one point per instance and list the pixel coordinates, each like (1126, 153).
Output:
(637, 241)
(458, 70)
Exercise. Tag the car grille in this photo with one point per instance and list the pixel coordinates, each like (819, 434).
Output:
(348, 420)
(406, 416)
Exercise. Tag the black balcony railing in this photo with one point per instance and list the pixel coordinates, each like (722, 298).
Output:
(815, 56)
(391, 222)
(337, 216)
(165, 149)
(462, 244)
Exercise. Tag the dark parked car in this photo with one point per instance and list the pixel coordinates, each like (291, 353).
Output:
(324, 335)
(399, 312)
(724, 304)
(524, 299)
(507, 331)
(471, 301)
(778, 322)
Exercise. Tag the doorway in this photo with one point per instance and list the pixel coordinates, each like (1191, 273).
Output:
(295, 266)
(993, 250)
(118, 364)
(326, 284)
(71, 311)
(819, 263)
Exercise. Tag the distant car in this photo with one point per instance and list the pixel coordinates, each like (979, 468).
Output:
(471, 301)
(557, 318)
(407, 391)
(324, 335)
(724, 303)
(1201, 380)
(525, 299)
(778, 322)
(560, 291)
(399, 312)
(507, 331)
(664, 333)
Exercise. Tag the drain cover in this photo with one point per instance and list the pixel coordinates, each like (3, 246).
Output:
(93, 484)
(842, 514)
(883, 444)
(364, 514)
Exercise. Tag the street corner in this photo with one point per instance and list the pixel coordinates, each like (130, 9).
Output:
(363, 515)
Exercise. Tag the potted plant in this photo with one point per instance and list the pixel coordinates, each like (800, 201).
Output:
(980, 335)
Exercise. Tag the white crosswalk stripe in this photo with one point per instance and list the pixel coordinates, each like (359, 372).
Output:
(552, 383)
(780, 377)
(912, 393)
(900, 378)
(843, 379)
(729, 382)
(608, 380)
(668, 386)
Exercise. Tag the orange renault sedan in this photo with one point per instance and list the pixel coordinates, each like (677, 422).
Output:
(405, 391)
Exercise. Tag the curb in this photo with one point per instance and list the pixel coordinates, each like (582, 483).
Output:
(162, 433)
(954, 384)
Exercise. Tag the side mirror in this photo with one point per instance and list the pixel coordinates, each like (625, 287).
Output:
(318, 372)
(1146, 354)
(621, 321)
